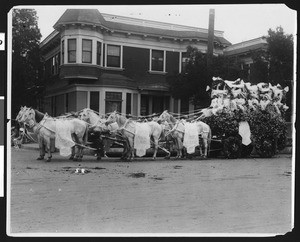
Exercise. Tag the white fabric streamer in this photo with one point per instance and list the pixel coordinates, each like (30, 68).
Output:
(190, 139)
(142, 138)
(244, 131)
(63, 138)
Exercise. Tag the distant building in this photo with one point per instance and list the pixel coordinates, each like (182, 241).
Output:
(108, 62)
(241, 53)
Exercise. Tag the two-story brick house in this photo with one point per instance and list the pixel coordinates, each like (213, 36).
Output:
(107, 62)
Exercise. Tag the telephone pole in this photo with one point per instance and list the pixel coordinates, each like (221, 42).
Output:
(210, 42)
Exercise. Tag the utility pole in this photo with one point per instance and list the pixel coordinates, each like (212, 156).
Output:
(210, 42)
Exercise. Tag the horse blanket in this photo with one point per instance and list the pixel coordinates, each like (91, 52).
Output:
(141, 138)
(63, 138)
(190, 139)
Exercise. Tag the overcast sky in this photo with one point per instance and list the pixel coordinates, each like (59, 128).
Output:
(240, 22)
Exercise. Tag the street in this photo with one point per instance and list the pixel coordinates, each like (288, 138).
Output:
(163, 196)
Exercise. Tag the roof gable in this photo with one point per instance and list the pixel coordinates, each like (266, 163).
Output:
(88, 16)
(94, 17)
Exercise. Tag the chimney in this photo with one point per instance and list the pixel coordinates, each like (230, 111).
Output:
(210, 42)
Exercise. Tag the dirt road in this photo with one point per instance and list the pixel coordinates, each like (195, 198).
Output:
(175, 196)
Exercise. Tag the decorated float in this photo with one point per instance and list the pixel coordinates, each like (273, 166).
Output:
(245, 116)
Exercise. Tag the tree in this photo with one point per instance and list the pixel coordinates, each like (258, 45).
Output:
(26, 64)
(194, 81)
(259, 67)
(280, 56)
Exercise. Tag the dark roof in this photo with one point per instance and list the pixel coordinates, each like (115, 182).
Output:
(94, 17)
(88, 16)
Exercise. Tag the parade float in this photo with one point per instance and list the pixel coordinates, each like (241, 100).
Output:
(247, 116)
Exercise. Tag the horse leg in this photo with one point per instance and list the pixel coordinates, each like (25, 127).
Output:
(180, 147)
(41, 148)
(48, 145)
(73, 150)
(155, 148)
(200, 146)
(79, 141)
(75, 154)
(176, 147)
(131, 149)
(205, 148)
(126, 150)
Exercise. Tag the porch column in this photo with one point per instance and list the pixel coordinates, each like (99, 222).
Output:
(171, 104)
(139, 104)
(88, 99)
(102, 101)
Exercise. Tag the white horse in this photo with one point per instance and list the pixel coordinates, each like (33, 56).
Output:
(128, 128)
(178, 129)
(46, 128)
(97, 125)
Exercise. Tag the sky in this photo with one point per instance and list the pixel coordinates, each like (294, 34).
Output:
(240, 22)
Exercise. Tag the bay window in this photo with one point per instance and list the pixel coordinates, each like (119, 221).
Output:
(98, 53)
(71, 50)
(113, 101)
(86, 51)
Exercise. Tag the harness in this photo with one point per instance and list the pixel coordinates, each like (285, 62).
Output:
(41, 125)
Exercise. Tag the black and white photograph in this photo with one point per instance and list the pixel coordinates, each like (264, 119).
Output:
(151, 120)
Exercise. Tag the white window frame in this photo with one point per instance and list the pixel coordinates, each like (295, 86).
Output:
(121, 56)
(164, 61)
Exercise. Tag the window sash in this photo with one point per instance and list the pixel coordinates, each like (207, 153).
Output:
(94, 101)
(71, 50)
(98, 53)
(115, 96)
(113, 102)
(113, 50)
(86, 51)
(62, 51)
(157, 60)
(113, 56)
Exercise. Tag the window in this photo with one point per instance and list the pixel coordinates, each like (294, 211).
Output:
(128, 103)
(113, 56)
(157, 60)
(62, 52)
(184, 62)
(86, 51)
(98, 53)
(94, 101)
(113, 101)
(71, 50)
(54, 64)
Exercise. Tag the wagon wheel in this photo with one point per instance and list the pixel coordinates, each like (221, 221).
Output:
(281, 141)
(232, 147)
(265, 148)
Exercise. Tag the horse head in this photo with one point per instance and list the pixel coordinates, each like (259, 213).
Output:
(28, 117)
(83, 115)
(165, 116)
(21, 112)
(111, 118)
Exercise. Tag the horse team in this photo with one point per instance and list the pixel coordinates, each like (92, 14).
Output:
(116, 128)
